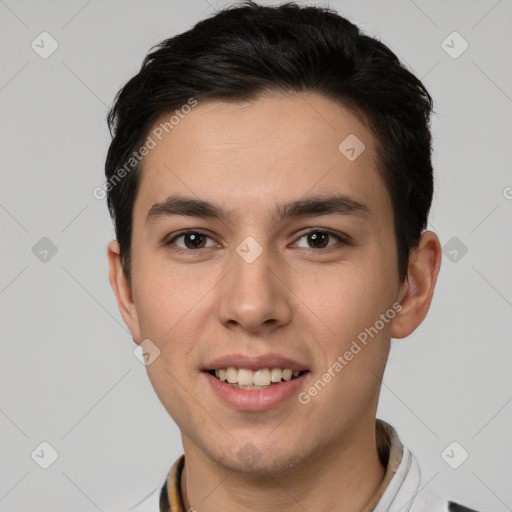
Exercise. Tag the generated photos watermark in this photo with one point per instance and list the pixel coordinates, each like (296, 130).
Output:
(343, 360)
(136, 157)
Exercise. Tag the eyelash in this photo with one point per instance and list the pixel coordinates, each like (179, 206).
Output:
(343, 239)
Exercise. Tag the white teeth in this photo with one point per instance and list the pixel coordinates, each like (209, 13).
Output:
(245, 377)
(249, 379)
(261, 377)
(276, 374)
(232, 375)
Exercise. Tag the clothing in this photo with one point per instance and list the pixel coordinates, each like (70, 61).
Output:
(401, 490)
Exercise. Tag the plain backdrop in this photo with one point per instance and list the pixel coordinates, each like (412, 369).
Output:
(68, 374)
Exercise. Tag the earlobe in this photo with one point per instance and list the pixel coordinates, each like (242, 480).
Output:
(418, 289)
(122, 291)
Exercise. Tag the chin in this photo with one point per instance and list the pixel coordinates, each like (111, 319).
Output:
(260, 460)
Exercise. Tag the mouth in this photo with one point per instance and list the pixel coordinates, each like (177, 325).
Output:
(260, 379)
(255, 383)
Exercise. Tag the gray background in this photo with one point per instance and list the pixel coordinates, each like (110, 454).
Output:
(68, 375)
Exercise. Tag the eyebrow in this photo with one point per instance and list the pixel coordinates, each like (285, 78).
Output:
(307, 207)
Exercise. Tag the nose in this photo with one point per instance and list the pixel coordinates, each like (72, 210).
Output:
(254, 296)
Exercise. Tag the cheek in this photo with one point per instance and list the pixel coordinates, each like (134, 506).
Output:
(173, 310)
(164, 296)
(349, 299)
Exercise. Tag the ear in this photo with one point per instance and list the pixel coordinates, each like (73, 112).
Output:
(417, 290)
(122, 290)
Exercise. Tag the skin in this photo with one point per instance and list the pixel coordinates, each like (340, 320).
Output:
(308, 305)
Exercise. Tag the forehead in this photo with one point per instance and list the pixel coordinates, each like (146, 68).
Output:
(262, 153)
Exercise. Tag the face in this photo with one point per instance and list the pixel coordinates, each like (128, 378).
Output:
(258, 285)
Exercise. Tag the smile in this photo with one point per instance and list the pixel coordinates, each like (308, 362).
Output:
(263, 378)
(254, 397)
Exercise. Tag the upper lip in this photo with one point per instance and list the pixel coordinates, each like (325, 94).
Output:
(254, 363)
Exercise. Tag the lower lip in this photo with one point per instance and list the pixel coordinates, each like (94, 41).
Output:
(255, 399)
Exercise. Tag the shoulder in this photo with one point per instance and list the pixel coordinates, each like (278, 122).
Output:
(414, 492)
(428, 501)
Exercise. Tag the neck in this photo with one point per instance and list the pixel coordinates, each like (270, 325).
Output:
(342, 477)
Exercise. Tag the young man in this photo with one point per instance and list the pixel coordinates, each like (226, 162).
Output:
(270, 181)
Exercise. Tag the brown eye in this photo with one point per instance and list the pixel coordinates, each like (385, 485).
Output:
(319, 239)
(192, 240)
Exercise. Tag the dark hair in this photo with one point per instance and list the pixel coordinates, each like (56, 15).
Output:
(248, 50)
